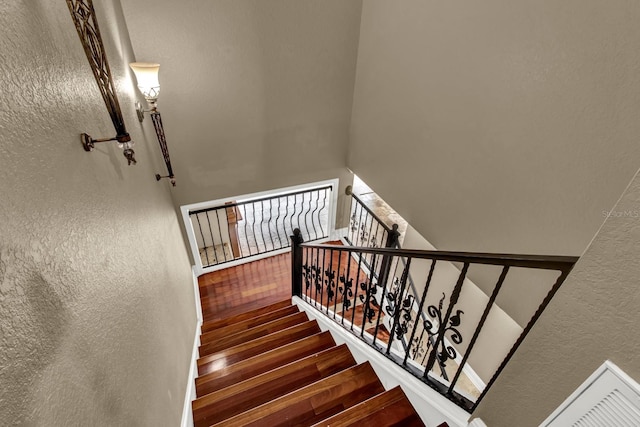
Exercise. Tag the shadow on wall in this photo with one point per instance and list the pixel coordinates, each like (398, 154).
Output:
(33, 323)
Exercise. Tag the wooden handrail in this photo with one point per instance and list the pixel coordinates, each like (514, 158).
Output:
(545, 262)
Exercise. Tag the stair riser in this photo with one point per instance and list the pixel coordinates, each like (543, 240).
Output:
(247, 324)
(253, 333)
(236, 354)
(263, 363)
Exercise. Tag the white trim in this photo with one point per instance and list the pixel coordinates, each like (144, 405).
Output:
(339, 235)
(245, 260)
(430, 405)
(193, 245)
(581, 405)
(196, 295)
(190, 393)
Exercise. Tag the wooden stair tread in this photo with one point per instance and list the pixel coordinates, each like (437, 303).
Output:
(258, 331)
(209, 325)
(229, 356)
(391, 408)
(262, 363)
(233, 400)
(243, 325)
(314, 402)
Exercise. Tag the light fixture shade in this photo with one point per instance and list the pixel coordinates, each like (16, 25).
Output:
(147, 77)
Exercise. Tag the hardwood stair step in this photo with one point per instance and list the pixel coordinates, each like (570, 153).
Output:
(258, 331)
(229, 356)
(240, 397)
(215, 324)
(314, 402)
(391, 408)
(211, 311)
(243, 325)
(262, 363)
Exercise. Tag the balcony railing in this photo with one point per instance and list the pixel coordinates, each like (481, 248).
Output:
(434, 319)
(238, 230)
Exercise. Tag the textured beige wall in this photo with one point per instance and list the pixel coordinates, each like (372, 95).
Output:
(499, 126)
(96, 303)
(256, 94)
(593, 317)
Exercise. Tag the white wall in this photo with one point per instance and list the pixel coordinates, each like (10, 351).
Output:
(96, 303)
(498, 126)
(256, 95)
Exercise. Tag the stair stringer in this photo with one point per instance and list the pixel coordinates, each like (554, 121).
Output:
(429, 404)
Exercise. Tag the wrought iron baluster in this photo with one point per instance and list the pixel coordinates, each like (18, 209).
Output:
(370, 290)
(246, 222)
(355, 296)
(300, 213)
(347, 283)
(277, 228)
(442, 327)
(384, 292)
(335, 299)
(213, 243)
(313, 214)
(324, 203)
(221, 240)
(397, 303)
(476, 333)
(204, 244)
(269, 225)
(420, 308)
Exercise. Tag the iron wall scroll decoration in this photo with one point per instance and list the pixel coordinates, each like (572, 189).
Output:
(156, 118)
(84, 18)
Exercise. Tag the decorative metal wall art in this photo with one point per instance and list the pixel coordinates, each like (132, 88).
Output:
(84, 18)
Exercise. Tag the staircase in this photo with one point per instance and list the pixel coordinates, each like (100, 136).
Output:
(272, 366)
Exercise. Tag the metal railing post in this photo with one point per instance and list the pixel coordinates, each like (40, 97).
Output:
(385, 265)
(296, 263)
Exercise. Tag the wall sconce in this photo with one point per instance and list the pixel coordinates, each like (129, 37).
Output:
(147, 77)
(84, 18)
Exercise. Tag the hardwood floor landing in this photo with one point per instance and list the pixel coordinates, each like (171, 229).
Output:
(246, 287)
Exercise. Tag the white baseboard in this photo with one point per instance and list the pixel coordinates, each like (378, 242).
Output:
(190, 394)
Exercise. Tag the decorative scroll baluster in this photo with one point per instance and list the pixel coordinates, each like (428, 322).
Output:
(476, 333)
(396, 308)
(420, 308)
(447, 351)
(368, 301)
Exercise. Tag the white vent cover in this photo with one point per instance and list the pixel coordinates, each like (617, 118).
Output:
(608, 398)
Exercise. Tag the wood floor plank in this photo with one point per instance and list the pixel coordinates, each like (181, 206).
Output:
(258, 331)
(258, 390)
(314, 402)
(264, 362)
(388, 409)
(245, 287)
(240, 352)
